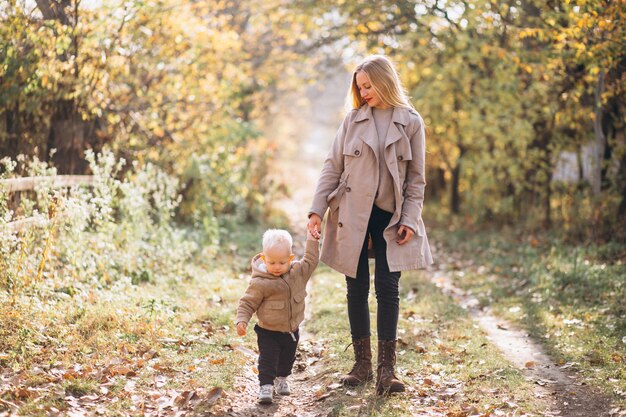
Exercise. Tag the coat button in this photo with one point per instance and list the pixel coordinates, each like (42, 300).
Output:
(357, 152)
(340, 224)
(348, 189)
(400, 158)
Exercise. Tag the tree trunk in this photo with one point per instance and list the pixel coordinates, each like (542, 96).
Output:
(67, 128)
(455, 195)
(600, 139)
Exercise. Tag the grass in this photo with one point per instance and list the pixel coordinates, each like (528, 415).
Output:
(130, 343)
(448, 363)
(126, 339)
(569, 297)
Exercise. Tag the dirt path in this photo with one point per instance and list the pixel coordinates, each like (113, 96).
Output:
(556, 385)
(302, 149)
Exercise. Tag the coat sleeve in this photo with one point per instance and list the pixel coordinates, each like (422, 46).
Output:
(249, 303)
(415, 179)
(309, 261)
(333, 167)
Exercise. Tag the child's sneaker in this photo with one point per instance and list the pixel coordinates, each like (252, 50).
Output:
(265, 394)
(282, 387)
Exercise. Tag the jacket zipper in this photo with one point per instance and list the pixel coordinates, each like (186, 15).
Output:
(290, 312)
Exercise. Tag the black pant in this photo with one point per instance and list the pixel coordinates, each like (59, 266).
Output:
(277, 353)
(386, 285)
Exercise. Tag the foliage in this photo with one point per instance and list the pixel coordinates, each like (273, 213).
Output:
(185, 86)
(505, 88)
(117, 229)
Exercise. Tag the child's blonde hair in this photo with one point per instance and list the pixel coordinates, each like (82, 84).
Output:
(276, 237)
(384, 80)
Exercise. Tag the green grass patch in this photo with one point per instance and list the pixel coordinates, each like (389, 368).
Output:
(444, 357)
(569, 297)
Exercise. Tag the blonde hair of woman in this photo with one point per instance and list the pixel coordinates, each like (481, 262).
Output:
(385, 82)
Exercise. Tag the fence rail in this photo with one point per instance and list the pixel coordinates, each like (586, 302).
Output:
(30, 183)
(57, 181)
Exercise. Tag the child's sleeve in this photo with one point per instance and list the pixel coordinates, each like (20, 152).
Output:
(311, 258)
(249, 303)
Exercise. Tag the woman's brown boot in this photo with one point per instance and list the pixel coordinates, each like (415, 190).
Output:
(386, 381)
(362, 370)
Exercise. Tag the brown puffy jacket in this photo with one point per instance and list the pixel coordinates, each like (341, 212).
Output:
(278, 301)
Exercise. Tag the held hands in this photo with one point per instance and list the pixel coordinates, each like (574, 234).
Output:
(311, 236)
(241, 328)
(405, 234)
(314, 226)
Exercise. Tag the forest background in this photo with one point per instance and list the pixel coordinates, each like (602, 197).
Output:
(172, 107)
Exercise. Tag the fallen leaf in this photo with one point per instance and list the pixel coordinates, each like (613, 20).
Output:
(185, 397)
(24, 393)
(324, 396)
(218, 361)
(214, 395)
(245, 351)
(420, 348)
(130, 386)
(150, 354)
(544, 382)
(160, 381)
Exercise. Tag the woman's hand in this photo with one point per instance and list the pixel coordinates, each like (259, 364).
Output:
(314, 226)
(405, 234)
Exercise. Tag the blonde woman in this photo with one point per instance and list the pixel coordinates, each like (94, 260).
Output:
(372, 185)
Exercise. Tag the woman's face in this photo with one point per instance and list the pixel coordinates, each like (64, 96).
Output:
(367, 92)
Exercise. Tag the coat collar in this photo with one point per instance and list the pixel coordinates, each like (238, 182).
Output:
(400, 114)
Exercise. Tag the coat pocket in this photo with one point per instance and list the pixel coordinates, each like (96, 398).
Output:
(299, 297)
(334, 197)
(353, 148)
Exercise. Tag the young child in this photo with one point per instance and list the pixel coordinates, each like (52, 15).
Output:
(276, 293)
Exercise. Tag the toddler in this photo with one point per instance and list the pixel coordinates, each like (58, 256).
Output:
(276, 293)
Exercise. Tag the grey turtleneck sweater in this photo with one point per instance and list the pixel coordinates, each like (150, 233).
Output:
(385, 198)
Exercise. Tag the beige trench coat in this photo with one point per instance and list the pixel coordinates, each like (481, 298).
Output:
(348, 183)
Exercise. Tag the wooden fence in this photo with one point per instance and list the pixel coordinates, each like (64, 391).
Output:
(14, 185)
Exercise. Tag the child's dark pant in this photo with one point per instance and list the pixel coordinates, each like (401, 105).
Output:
(277, 353)
(386, 284)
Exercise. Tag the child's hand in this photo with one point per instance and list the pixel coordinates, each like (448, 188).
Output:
(241, 328)
(315, 235)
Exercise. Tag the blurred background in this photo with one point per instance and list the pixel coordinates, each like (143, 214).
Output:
(236, 103)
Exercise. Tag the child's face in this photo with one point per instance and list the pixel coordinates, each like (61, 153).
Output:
(277, 260)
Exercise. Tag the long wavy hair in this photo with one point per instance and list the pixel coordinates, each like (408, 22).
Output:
(384, 80)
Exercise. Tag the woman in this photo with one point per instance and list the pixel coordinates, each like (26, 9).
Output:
(372, 185)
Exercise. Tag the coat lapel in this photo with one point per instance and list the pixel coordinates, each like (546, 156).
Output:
(399, 119)
(370, 137)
